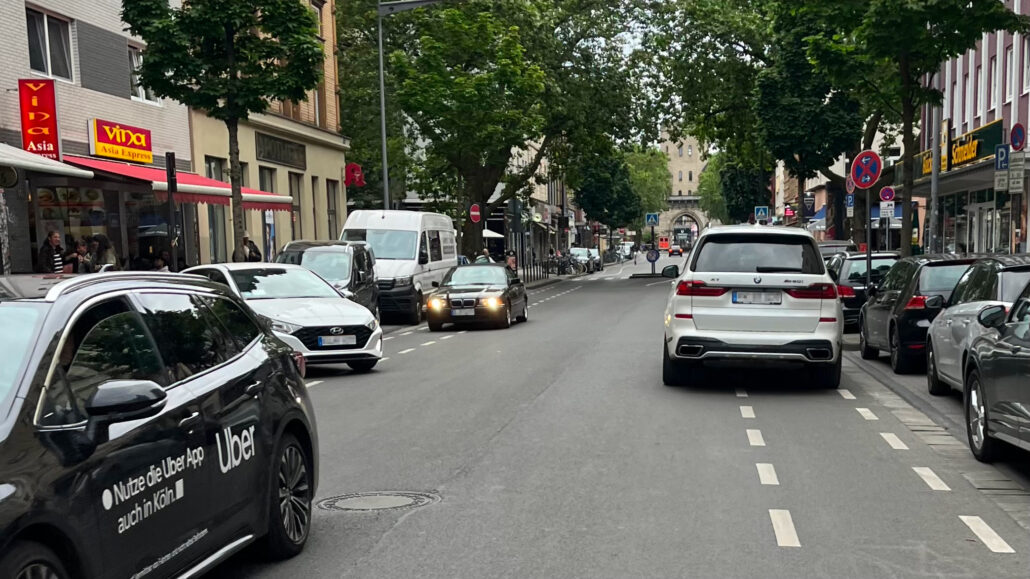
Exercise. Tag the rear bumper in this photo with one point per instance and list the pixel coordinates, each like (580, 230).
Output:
(808, 351)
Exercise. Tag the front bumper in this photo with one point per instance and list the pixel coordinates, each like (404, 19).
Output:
(372, 350)
(483, 315)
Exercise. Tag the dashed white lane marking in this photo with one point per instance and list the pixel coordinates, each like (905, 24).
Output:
(931, 479)
(407, 333)
(783, 526)
(741, 393)
(426, 329)
(986, 534)
(747, 412)
(406, 351)
(867, 414)
(314, 383)
(463, 332)
(387, 338)
(846, 394)
(893, 440)
(767, 474)
(754, 437)
(447, 337)
(384, 359)
(429, 343)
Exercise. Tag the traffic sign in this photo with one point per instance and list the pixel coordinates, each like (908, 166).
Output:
(850, 184)
(1001, 181)
(761, 212)
(788, 211)
(474, 215)
(887, 194)
(1001, 157)
(1002, 166)
(866, 169)
(886, 209)
(651, 219)
(653, 255)
(849, 203)
(1018, 137)
(1016, 172)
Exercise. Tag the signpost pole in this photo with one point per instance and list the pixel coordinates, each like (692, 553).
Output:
(935, 177)
(172, 186)
(653, 246)
(868, 240)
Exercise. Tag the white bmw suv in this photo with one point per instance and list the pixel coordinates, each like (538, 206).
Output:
(754, 295)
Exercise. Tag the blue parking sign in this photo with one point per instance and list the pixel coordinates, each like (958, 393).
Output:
(850, 199)
(1001, 157)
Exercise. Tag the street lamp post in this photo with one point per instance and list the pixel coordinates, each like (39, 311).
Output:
(386, 9)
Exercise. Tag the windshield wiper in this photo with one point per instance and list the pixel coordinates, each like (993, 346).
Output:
(773, 269)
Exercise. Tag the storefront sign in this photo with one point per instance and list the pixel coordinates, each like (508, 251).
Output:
(969, 148)
(118, 141)
(354, 176)
(39, 134)
(276, 150)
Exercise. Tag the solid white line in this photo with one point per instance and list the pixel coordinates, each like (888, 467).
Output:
(408, 333)
(846, 394)
(747, 412)
(446, 337)
(754, 437)
(741, 393)
(430, 343)
(314, 383)
(893, 440)
(930, 478)
(867, 414)
(767, 474)
(783, 526)
(406, 351)
(986, 534)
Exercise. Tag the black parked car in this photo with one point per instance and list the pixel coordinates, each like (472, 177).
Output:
(900, 310)
(149, 425)
(997, 398)
(348, 265)
(832, 247)
(849, 269)
(478, 294)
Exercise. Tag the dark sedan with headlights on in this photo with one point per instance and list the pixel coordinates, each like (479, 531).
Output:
(478, 294)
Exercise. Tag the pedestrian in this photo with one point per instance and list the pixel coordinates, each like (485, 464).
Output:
(51, 254)
(105, 255)
(82, 261)
(160, 264)
(485, 257)
(511, 264)
(247, 251)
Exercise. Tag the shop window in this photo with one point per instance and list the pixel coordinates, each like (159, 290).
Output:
(136, 90)
(332, 190)
(50, 46)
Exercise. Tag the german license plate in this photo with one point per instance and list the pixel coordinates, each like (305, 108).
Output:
(464, 312)
(337, 340)
(761, 298)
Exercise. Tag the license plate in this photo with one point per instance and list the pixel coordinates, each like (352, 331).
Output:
(464, 312)
(337, 340)
(761, 298)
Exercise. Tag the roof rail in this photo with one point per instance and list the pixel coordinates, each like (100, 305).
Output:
(76, 283)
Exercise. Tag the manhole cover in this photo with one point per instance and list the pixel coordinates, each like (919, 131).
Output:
(378, 501)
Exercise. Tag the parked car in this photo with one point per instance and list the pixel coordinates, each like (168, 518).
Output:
(586, 257)
(348, 265)
(753, 295)
(832, 247)
(675, 250)
(487, 294)
(849, 270)
(997, 400)
(899, 311)
(412, 250)
(149, 425)
(305, 311)
(991, 281)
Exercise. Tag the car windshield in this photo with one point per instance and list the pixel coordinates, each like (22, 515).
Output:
(476, 276)
(21, 324)
(331, 265)
(275, 283)
(941, 278)
(751, 253)
(1012, 284)
(856, 268)
(386, 243)
(580, 252)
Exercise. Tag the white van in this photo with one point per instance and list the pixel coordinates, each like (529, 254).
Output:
(413, 249)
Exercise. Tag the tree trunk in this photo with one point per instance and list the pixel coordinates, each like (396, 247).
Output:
(801, 202)
(908, 113)
(235, 178)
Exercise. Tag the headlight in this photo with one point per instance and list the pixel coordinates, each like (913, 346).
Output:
(436, 303)
(373, 324)
(492, 302)
(402, 281)
(282, 327)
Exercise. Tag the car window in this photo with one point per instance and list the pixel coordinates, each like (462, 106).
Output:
(212, 274)
(107, 342)
(290, 257)
(435, 249)
(236, 323)
(331, 265)
(187, 337)
(941, 278)
(958, 296)
(898, 276)
(855, 269)
(423, 246)
(1013, 282)
(448, 245)
(277, 283)
(758, 253)
(21, 326)
(490, 275)
(386, 243)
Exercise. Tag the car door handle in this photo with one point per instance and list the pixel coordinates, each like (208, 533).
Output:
(254, 389)
(190, 421)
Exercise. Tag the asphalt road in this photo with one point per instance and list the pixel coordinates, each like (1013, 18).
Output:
(555, 451)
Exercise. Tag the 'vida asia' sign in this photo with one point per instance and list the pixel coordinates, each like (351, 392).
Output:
(38, 102)
(118, 141)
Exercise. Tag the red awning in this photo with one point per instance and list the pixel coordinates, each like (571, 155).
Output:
(190, 187)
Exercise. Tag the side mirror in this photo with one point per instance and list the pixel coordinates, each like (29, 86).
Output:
(671, 271)
(347, 293)
(935, 303)
(992, 317)
(436, 284)
(423, 259)
(362, 276)
(121, 401)
(873, 289)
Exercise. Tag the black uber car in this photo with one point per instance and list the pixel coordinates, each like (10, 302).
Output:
(849, 269)
(478, 294)
(348, 265)
(149, 426)
(899, 311)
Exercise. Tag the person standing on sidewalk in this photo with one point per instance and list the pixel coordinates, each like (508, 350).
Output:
(51, 255)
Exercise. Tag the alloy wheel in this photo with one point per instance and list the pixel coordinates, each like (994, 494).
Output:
(294, 494)
(38, 571)
(976, 413)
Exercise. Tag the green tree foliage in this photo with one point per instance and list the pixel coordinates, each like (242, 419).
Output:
(603, 188)
(649, 178)
(228, 58)
(709, 189)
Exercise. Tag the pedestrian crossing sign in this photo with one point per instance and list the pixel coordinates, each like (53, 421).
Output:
(652, 219)
(761, 212)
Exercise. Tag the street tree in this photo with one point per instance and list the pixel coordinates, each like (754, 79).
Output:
(709, 189)
(228, 58)
(649, 178)
(603, 188)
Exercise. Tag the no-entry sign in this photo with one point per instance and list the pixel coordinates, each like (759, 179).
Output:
(474, 215)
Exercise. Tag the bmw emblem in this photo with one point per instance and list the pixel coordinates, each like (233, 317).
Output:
(336, 331)
(758, 279)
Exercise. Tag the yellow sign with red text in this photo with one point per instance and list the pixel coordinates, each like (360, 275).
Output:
(118, 141)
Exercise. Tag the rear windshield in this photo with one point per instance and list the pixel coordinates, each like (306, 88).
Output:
(1013, 283)
(941, 278)
(21, 324)
(854, 269)
(331, 265)
(752, 253)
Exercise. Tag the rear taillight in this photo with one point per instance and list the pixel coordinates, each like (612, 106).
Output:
(818, 291)
(845, 291)
(301, 362)
(700, 289)
(916, 303)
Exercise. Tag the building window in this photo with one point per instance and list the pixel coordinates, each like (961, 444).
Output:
(136, 90)
(968, 90)
(296, 186)
(690, 150)
(681, 176)
(316, 7)
(690, 176)
(50, 44)
(1010, 70)
(314, 206)
(1026, 64)
(215, 168)
(679, 149)
(979, 90)
(244, 177)
(332, 191)
(680, 192)
(992, 84)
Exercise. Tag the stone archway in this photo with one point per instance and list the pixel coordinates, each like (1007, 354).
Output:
(685, 227)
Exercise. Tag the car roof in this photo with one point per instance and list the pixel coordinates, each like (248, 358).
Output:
(248, 265)
(50, 288)
(757, 230)
(944, 258)
(1010, 261)
(494, 264)
(323, 245)
(855, 255)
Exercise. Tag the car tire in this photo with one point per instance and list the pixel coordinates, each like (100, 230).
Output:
(673, 373)
(901, 363)
(525, 314)
(27, 559)
(434, 325)
(362, 365)
(983, 447)
(290, 479)
(934, 384)
(867, 352)
(505, 322)
(415, 316)
(827, 376)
